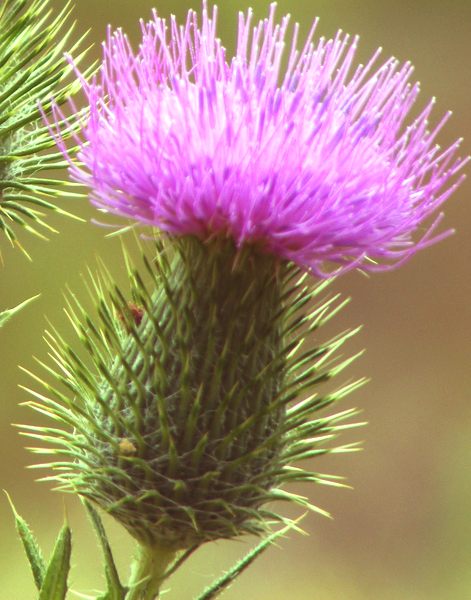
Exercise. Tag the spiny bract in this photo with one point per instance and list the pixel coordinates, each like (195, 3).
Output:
(197, 397)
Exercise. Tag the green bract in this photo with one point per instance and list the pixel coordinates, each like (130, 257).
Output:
(32, 70)
(195, 394)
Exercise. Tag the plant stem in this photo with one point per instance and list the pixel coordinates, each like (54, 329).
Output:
(149, 570)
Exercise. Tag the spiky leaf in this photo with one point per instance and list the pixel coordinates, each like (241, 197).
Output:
(225, 581)
(31, 546)
(55, 586)
(115, 591)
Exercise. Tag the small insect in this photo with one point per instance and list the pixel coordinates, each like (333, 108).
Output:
(134, 311)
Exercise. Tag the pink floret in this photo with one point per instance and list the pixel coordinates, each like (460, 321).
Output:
(295, 150)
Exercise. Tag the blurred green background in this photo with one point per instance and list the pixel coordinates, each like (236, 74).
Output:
(404, 532)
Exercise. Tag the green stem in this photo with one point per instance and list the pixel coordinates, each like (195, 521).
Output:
(149, 571)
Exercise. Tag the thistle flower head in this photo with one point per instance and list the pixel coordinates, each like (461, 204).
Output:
(196, 391)
(290, 147)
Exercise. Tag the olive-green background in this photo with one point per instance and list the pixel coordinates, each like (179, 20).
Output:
(404, 532)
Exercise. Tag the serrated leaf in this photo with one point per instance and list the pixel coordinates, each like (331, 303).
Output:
(6, 315)
(115, 590)
(31, 546)
(55, 580)
(224, 582)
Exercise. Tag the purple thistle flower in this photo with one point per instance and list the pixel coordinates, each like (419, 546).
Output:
(314, 162)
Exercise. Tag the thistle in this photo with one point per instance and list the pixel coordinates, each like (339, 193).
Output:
(32, 71)
(195, 395)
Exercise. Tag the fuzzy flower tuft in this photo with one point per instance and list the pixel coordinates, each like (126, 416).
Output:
(292, 149)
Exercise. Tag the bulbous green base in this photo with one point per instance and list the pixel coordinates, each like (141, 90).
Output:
(191, 410)
(194, 400)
